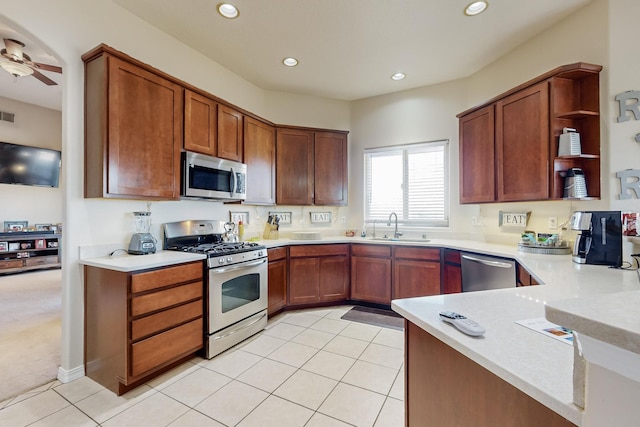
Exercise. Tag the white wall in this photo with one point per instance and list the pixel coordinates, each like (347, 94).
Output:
(38, 127)
(430, 113)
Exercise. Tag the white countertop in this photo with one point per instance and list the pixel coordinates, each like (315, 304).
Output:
(122, 261)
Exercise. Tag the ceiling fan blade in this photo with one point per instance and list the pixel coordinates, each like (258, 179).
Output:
(47, 67)
(44, 79)
(14, 48)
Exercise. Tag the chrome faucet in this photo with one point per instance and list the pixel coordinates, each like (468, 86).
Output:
(396, 233)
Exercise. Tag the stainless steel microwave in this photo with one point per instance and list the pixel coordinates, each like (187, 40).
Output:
(206, 177)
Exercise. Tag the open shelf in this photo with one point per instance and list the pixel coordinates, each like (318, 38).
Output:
(24, 250)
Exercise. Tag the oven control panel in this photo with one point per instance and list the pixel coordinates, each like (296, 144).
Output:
(237, 258)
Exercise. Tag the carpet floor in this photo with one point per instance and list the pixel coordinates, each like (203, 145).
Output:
(375, 316)
(30, 330)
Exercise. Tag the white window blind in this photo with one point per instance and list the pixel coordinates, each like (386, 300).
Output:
(409, 180)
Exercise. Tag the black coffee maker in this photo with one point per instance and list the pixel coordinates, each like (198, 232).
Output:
(600, 238)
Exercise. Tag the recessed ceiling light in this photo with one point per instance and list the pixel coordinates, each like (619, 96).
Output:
(228, 10)
(398, 76)
(476, 8)
(290, 62)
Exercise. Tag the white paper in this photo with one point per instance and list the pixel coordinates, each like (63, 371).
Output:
(549, 329)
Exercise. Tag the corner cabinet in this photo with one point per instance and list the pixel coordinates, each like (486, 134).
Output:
(509, 145)
(133, 129)
(139, 324)
(318, 273)
(311, 167)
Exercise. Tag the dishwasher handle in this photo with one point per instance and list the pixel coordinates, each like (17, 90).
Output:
(487, 262)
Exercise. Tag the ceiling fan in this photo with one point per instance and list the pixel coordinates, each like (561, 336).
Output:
(18, 63)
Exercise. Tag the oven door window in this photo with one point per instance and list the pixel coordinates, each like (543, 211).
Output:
(240, 291)
(203, 178)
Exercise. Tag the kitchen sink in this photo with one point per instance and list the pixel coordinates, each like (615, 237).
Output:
(401, 239)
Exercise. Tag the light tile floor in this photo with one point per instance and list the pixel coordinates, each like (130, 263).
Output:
(308, 368)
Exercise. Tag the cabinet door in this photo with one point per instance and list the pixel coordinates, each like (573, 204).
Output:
(413, 278)
(334, 278)
(260, 157)
(522, 144)
(144, 133)
(477, 156)
(452, 277)
(294, 167)
(200, 119)
(304, 280)
(277, 285)
(230, 143)
(371, 279)
(330, 169)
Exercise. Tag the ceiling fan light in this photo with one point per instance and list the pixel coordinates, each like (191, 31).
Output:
(15, 68)
(228, 10)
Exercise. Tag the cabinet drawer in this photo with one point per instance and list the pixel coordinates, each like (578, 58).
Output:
(158, 300)
(277, 253)
(166, 276)
(11, 263)
(166, 347)
(165, 319)
(318, 250)
(41, 260)
(371, 250)
(429, 254)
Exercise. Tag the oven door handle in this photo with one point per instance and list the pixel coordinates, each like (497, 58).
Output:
(240, 266)
(241, 328)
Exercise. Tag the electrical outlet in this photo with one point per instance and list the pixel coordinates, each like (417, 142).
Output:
(343, 220)
(474, 220)
(553, 223)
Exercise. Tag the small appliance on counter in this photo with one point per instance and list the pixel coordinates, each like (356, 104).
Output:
(142, 242)
(575, 186)
(600, 238)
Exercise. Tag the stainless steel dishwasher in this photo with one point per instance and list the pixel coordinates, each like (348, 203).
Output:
(483, 272)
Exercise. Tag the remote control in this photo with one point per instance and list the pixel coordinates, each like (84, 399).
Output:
(463, 324)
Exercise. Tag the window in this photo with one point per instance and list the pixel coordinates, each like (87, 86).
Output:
(409, 180)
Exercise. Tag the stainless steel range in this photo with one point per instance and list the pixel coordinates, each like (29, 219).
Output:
(236, 288)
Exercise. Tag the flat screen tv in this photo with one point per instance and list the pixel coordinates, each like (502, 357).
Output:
(21, 164)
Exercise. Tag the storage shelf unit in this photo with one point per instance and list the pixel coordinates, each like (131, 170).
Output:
(24, 250)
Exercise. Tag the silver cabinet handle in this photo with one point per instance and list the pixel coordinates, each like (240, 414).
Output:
(240, 266)
(490, 263)
(240, 329)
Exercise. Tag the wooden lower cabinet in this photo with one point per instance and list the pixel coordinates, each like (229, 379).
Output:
(524, 278)
(451, 272)
(139, 324)
(277, 280)
(371, 273)
(318, 273)
(445, 388)
(416, 272)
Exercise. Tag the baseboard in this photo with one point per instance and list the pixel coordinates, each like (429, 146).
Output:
(66, 376)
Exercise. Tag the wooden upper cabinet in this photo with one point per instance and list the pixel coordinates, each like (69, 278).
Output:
(522, 144)
(330, 169)
(509, 145)
(230, 128)
(477, 156)
(260, 157)
(294, 166)
(311, 167)
(133, 121)
(200, 119)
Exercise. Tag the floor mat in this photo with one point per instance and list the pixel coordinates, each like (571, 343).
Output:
(375, 316)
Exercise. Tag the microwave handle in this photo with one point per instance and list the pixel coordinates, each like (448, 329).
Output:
(234, 182)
